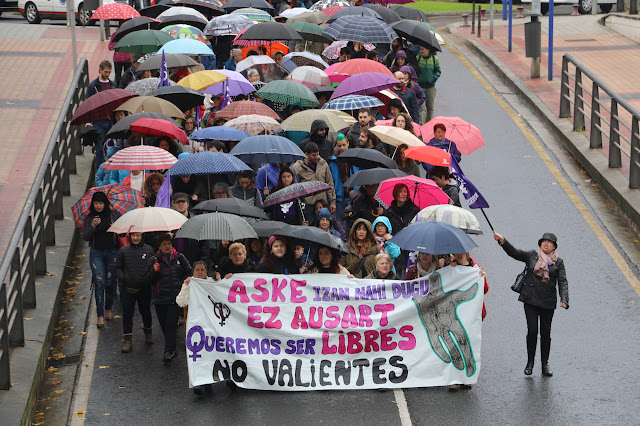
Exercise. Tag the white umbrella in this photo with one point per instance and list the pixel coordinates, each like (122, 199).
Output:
(395, 136)
(290, 13)
(180, 10)
(309, 76)
(148, 219)
(226, 25)
(252, 61)
(448, 213)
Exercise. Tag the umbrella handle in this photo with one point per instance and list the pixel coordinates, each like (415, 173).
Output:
(394, 153)
(301, 210)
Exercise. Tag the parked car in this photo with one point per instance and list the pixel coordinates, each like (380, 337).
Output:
(584, 8)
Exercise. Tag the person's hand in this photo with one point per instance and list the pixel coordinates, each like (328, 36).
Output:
(226, 277)
(194, 197)
(96, 221)
(187, 281)
(170, 234)
(217, 276)
(379, 211)
(499, 238)
(351, 276)
(332, 208)
(482, 272)
(441, 262)
(265, 191)
(305, 223)
(225, 243)
(304, 269)
(156, 266)
(564, 305)
(387, 237)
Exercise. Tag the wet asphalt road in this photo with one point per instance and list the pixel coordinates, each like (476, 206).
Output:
(595, 344)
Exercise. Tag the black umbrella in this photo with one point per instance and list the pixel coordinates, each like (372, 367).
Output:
(230, 205)
(270, 31)
(367, 158)
(194, 21)
(183, 97)
(232, 5)
(121, 128)
(416, 33)
(208, 8)
(410, 13)
(134, 24)
(174, 60)
(313, 235)
(372, 176)
(355, 11)
(387, 14)
(295, 191)
(266, 228)
(156, 9)
(323, 89)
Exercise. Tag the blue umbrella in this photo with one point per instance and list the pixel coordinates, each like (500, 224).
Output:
(186, 46)
(267, 149)
(352, 102)
(207, 163)
(362, 29)
(433, 237)
(221, 133)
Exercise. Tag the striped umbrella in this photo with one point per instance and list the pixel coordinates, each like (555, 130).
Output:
(248, 43)
(236, 109)
(207, 163)
(333, 50)
(295, 191)
(362, 29)
(322, 5)
(255, 124)
(301, 121)
(253, 14)
(309, 76)
(140, 157)
(148, 219)
(121, 199)
(267, 149)
(288, 93)
(351, 102)
(216, 226)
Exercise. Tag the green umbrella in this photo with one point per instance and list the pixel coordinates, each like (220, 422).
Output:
(310, 32)
(143, 41)
(288, 92)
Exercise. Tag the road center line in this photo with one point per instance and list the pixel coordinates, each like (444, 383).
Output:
(403, 410)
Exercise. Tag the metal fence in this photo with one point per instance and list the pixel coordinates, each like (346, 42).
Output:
(610, 115)
(25, 257)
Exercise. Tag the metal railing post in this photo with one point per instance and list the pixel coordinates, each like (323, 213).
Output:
(16, 319)
(40, 254)
(578, 105)
(634, 171)
(28, 269)
(615, 159)
(48, 208)
(56, 179)
(595, 135)
(5, 370)
(565, 103)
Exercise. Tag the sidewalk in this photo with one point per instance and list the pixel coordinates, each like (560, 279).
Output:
(612, 57)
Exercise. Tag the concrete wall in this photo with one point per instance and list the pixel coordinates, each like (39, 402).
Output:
(628, 26)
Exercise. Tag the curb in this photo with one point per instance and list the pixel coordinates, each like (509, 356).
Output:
(615, 185)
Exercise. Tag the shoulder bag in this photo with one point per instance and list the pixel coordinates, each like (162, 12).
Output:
(519, 283)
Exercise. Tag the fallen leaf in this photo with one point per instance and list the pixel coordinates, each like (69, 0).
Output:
(117, 316)
(82, 333)
(50, 370)
(120, 387)
(28, 319)
(105, 366)
(80, 412)
(49, 274)
(39, 283)
(84, 297)
(59, 391)
(57, 383)
(107, 414)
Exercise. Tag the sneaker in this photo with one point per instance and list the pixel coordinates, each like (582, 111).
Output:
(198, 390)
(168, 356)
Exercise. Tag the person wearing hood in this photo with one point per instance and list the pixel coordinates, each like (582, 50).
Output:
(382, 231)
(318, 135)
(407, 96)
(152, 185)
(397, 46)
(428, 74)
(399, 61)
(102, 254)
(324, 221)
(411, 81)
(383, 269)
(279, 257)
(361, 260)
(131, 265)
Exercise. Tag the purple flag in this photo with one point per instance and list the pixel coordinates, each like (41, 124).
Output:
(226, 98)
(471, 194)
(164, 74)
(163, 199)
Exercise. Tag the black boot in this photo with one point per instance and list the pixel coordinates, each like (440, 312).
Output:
(545, 348)
(532, 342)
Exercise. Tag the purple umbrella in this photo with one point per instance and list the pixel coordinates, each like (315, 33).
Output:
(366, 83)
(237, 83)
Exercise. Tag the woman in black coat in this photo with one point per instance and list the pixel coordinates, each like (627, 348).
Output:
(545, 272)
(402, 209)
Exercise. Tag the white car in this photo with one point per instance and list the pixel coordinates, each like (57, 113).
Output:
(35, 11)
(584, 8)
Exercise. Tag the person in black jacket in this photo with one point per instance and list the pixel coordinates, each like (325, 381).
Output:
(318, 134)
(279, 258)
(236, 263)
(402, 209)
(443, 178)
(544, 272)
(131, 266)
(102, 256)
(364, 206)
(166, 271)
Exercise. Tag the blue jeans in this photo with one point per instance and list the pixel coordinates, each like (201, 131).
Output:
(103, 264)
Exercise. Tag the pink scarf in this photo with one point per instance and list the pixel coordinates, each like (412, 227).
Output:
(544, 262)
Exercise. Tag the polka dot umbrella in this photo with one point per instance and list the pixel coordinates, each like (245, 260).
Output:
(115, 11)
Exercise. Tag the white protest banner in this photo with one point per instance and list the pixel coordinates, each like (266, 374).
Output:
(326, 331)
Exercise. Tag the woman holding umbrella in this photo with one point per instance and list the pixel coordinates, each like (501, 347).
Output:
(279, 257)
(439, 141)
(362, 249)
(288, 212)
(326, 261)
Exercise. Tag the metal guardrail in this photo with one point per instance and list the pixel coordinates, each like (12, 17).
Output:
(616, 124)
(25, 257)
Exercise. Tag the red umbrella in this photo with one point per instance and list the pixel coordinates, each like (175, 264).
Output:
(236, 109)
(467, 137)
(115, 11)
(158, 127)
(429, 154)
(100, 105)
(423, 192)
(332, 10)
(356, 66)
(140, 157)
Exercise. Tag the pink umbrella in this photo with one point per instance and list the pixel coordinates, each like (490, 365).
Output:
(423, 192)
(140, 157)
(467, 137)
(416, 126)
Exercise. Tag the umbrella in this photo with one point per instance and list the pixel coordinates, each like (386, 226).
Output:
(183, 97)
(396, 136)
(430, 155)
(207, 163)
(146, 86)
(237, 41)
(423, 192)
(267, 228)
(295, 191)
(206, 7)
(324, 4)
(357, 66)
(366, 158)
(372, 176)
(186, 31)
(254, 124)
(134, 24)
(302, 59)
(202, 79)
(159, 127)
(313, 17)
(290, 13)
(410, 13)
(301, 121)
(231, 205)
(434, 238)
(232, 5)
(416, 126)
(253, 14)
(388, 15)
(323, 89)
(388, 2)
(150, 104)
(288, 93)
(172, 60)
(362, 29)
(227, 25)
(100, 105)
(236, 84)
(140, 157)
(121, 128)
(267, 149)
(366, 83)
(333, 50)
(313, 235)
(186, 46)
(216, 226)
(220, 133)
(142, 41)
(121, 198)
(310, 77)
(148, 219)
(267, 67)
(270, 31)
(355, 11)
(115, 11)
(180, 10)
(310, 32)
(453, 215)
(467, 137)
(156, 9)
(236, 109)
(183, 19)
(252, 61)
(353, 102)
(416, 34)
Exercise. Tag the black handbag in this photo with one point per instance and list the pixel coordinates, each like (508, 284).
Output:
(519, 283)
